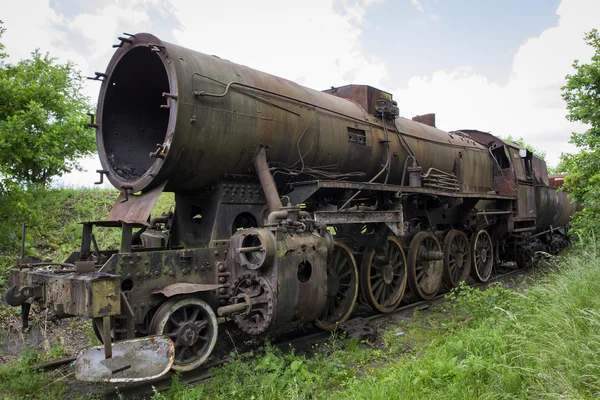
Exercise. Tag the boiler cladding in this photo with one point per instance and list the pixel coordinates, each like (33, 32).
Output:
(169, 113)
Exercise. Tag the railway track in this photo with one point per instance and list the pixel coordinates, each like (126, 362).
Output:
(302, 342)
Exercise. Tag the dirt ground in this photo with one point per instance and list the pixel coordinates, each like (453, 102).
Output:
(62, 338)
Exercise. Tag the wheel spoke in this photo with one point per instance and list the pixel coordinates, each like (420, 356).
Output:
(202, 324)
(336, 301)
(345, 274)
(341, 266)
(376, 285)
(181, 356)
(377, 293)
(203, 338)
(327, 314)
(382, 294)
(336, 258)
(174, 321)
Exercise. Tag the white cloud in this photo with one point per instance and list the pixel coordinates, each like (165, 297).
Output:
(417, 4)
(530, 104)
(85, 39)
(316, 43)
(434, 17)
(305, 41)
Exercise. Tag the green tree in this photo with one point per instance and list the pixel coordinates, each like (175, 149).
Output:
(42, 133)
(582, 95)
(2, 53)
(552, 170)
(521, 142)
(42, 119)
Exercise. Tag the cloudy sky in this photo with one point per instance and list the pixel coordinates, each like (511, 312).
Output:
(492, 65)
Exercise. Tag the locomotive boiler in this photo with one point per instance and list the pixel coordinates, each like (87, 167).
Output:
(289, 202)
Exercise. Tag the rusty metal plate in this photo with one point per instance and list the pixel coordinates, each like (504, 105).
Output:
(185, 288)
(357, 217)
(133, 360)
(364, 186)
(130, 207)
(393, 219)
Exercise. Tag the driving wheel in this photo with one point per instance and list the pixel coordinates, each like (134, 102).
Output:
(425, 265)
(342, 288)
(383, 276)
(457, 258)
(483, 256)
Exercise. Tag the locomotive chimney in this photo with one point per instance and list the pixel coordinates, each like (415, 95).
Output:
(427, 119)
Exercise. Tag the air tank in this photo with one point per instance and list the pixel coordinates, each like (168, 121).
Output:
(174, 115)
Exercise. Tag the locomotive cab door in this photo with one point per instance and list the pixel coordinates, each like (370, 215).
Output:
(505, 179)
(525, 220)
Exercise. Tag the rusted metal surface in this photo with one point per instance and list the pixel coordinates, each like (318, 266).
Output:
(302, 190)
(236, 202)
(556, 181)
(526, 207)
(54, 364)
(427, 119)
(266, 180)
(554, 207)
(228, 140)
(132, 207)
(457, 258)
(540, 171)
(131, 361)
(383, 275)
(393, 219)
(146, 274)
(186, 288)
(245, 107)
(425, 265)
(288, 290)
(367, 96)
(90, 295)
(342, 287)
(192, 325)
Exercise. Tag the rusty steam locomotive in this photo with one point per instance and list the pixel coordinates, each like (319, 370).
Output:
(290, 202)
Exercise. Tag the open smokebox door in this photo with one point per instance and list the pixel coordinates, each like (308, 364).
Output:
(131, 361)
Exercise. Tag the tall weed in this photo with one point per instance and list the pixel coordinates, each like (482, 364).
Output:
(543, 343)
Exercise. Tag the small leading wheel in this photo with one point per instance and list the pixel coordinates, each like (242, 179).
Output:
(457, 258)
(483, 256)
(383, 277)
(192, 326)
(425, 265)
(342, 288)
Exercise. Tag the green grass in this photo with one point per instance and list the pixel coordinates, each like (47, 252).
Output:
(18, 380)
(542, 341)
(538, 342)
(54, 233)
(56, 229)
